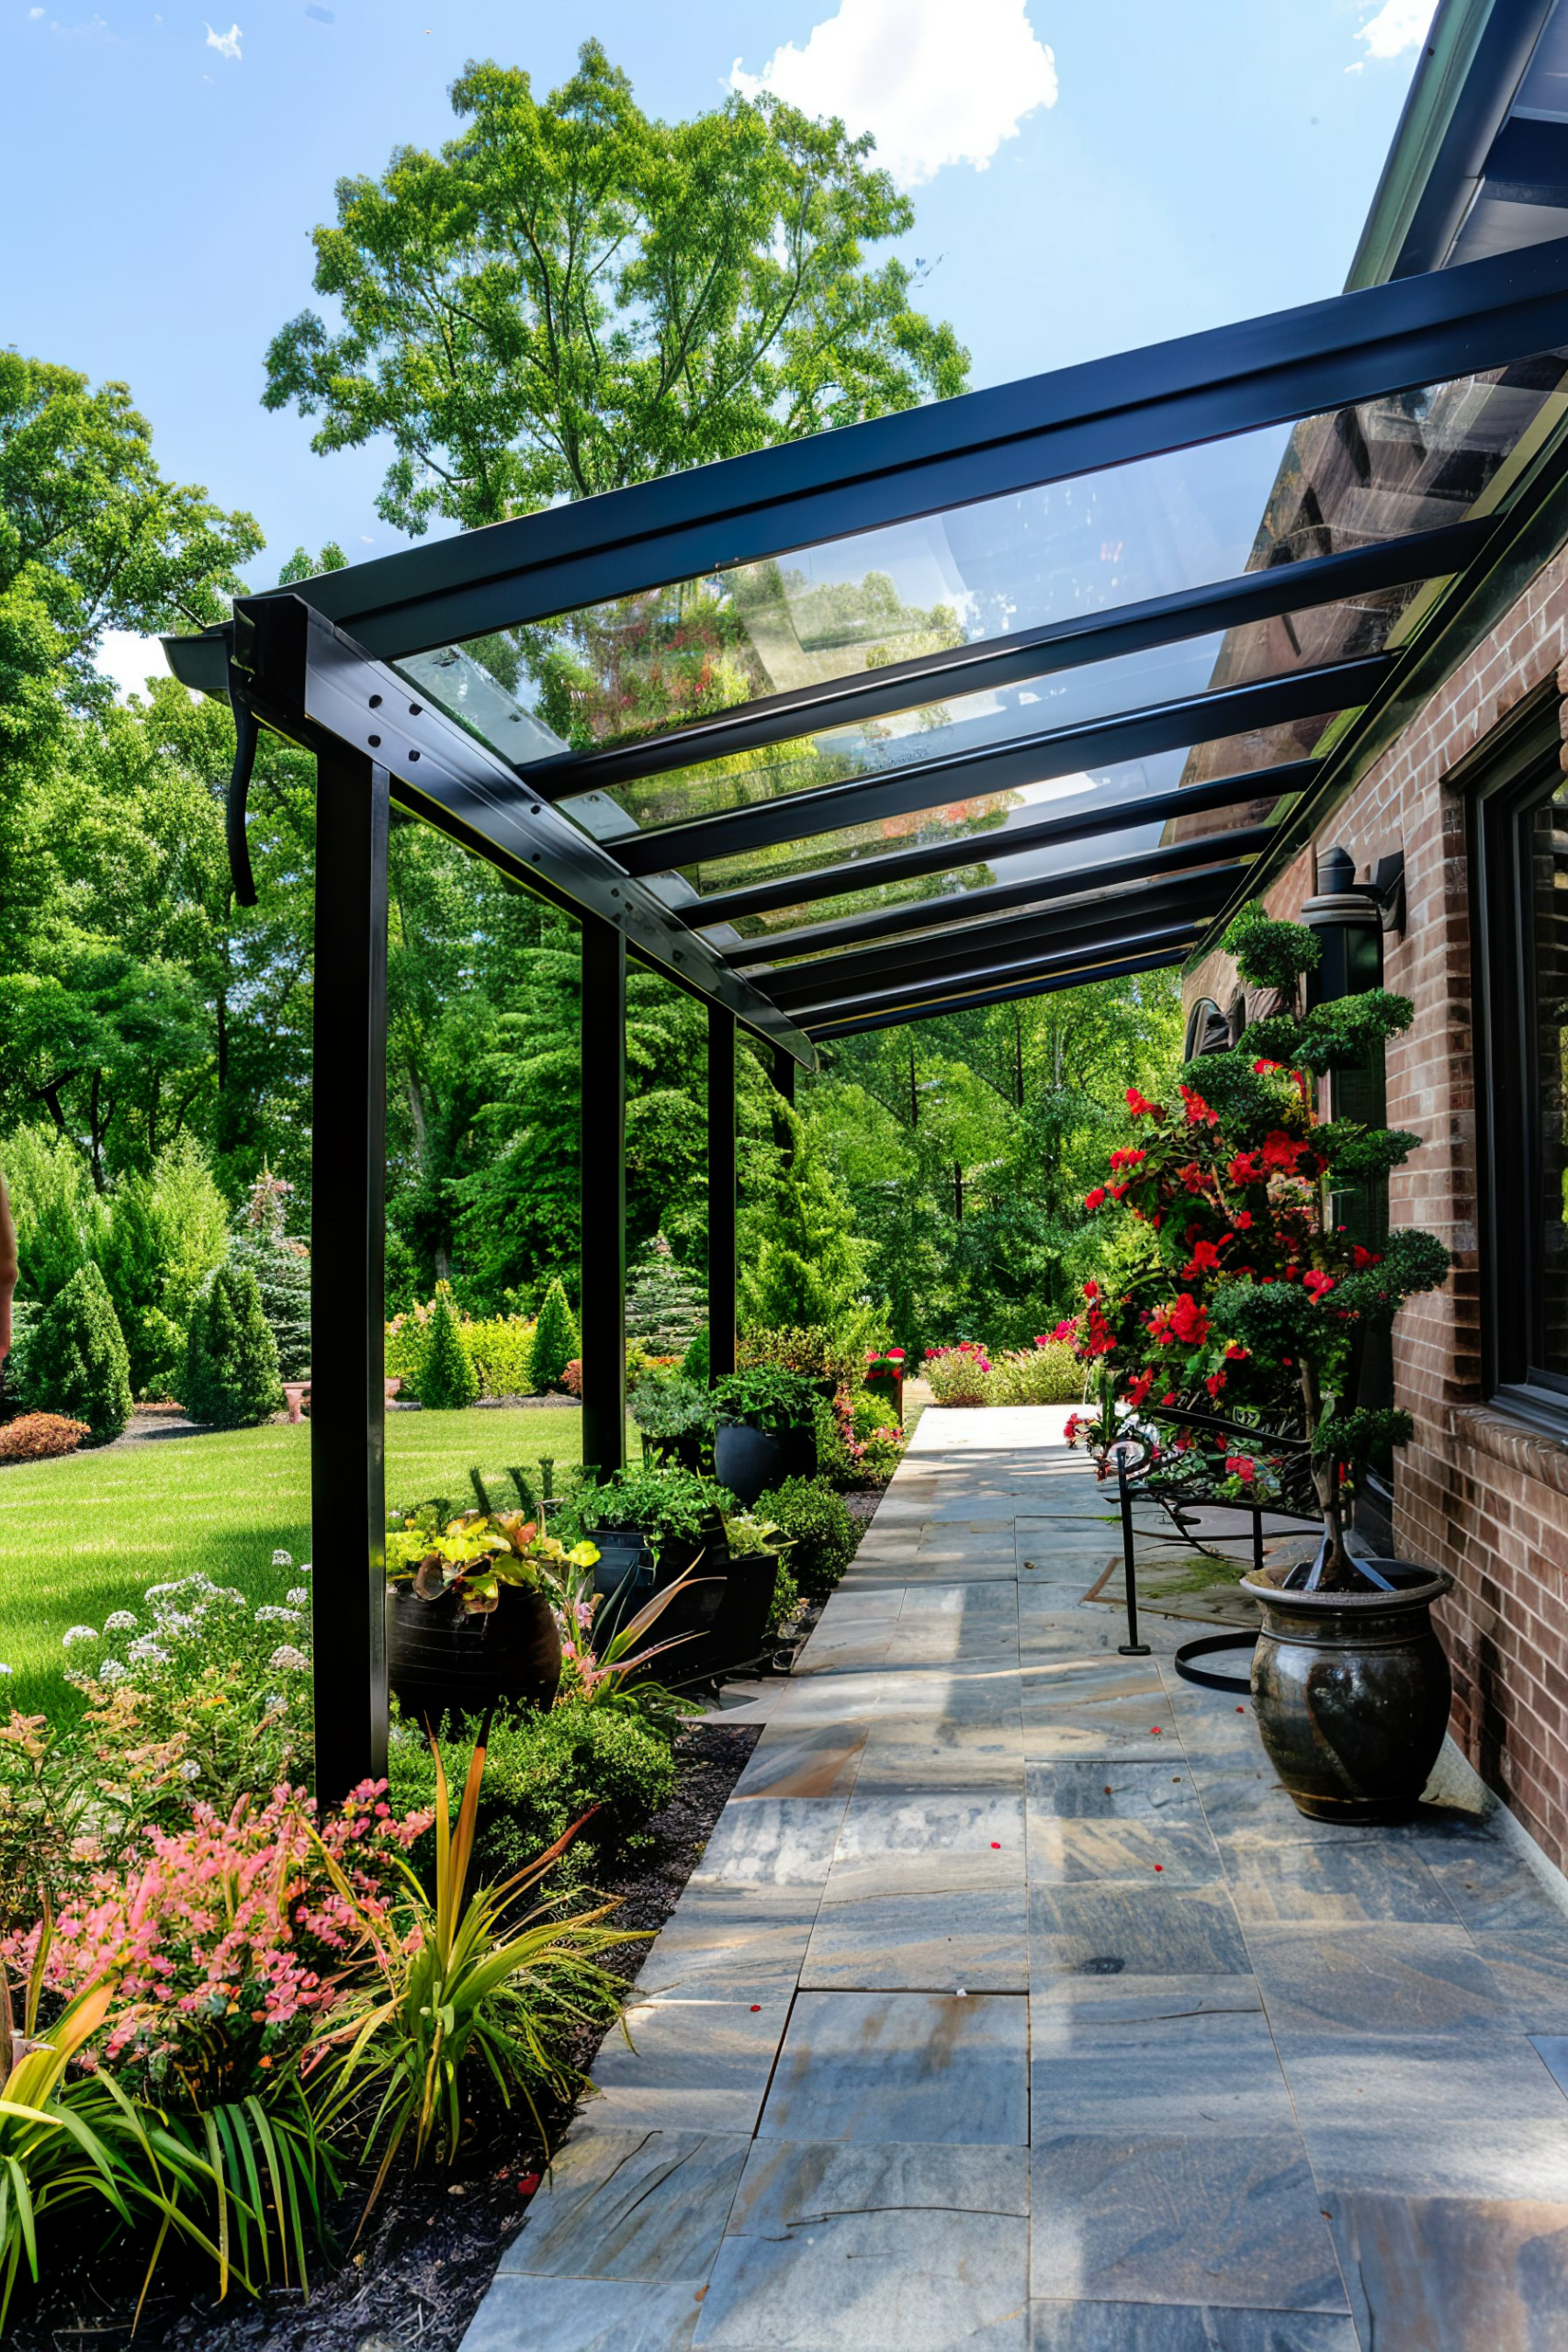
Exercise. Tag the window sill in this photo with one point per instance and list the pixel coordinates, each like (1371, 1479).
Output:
(1508, 1431)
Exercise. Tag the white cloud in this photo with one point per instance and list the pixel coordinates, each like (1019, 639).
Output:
(128, 660)
(936, 83)
(1398, 25)
(226, 44)
(34, 13)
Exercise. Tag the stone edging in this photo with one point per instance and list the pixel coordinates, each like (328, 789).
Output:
(1513, 1443)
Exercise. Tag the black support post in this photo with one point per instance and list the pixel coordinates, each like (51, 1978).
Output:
(603, 1195)
(721, 1192)
(348, 1115)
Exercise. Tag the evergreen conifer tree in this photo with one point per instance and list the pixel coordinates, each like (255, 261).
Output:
(232, 1378)
(809, 1266)
(75, 1360)
(446, 1381)
(282, 1269)
(665, 1304)
(556, 1339)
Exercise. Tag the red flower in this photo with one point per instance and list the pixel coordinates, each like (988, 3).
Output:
(1281, 1151)
(1169, 1396)
(1364, 1257)
(1318, 1283)
(1128, 1158)
(1235, 1352)
(1263, 1069)
(1096, 1199)
(1193, 1175)
(1066, 1330)
(1214, 1383)
(1205, 1259)
(1140, 1388)
(1244, 1168)
(1242, 1221)
(1198, 1111)
(1073, 1423)
(1183, 1320)
(1141, 1107)
(1240, 1467)
(1092, 1290)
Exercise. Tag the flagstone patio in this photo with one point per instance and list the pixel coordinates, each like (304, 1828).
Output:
(1014, 2006)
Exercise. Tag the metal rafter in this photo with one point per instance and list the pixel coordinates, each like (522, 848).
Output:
(829, 977)
(945, 914)
(938, 989)
(993, 847)
(1004, 767)
(1038, 984)
(1320, 355)
(996, 663)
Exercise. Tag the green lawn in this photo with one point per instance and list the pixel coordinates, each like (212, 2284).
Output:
(83, 1536)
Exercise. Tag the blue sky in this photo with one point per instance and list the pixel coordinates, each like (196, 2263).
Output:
(1092, 176)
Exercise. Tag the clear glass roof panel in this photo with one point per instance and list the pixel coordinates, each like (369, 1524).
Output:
(984, 823)
(617, 672)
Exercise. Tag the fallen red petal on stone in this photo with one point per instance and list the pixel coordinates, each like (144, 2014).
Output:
(527, 2184)
(995, 1845)
(1159, 1866)
(755, 2008)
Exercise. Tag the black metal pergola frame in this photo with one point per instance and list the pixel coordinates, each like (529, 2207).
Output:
(316, 664)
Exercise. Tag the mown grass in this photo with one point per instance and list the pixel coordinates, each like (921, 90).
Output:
(83, 1536)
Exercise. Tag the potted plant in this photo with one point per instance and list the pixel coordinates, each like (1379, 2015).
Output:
(470, 1623)
(676, 1517)
(1248, 1297)
(884, 1378)
(766, 1424)
(675, 1417)
(738, 1636)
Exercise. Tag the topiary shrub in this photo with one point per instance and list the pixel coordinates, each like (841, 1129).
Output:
(232, 1378)
(556, 1339)
(818, 1524)
(544, 1772)
(446, 1380)
(40, 1437)
(76, 1362)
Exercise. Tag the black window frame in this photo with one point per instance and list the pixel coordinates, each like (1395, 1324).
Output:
(1523, 768)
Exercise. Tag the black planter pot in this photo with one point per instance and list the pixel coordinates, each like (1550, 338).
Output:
(738, 1634)
(439, 1658)
(750, 1460)
(692, 1612)
(1351, 1692)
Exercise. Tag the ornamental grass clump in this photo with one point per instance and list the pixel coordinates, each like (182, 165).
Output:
(1245, 1299)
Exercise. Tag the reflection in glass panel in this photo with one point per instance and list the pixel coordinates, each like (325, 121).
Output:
(617, 672)
(1547, 1049)
(985, 821)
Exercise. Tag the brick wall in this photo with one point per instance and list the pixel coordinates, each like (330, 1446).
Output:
(1477, 1492)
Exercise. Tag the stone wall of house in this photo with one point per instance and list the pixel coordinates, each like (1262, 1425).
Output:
(1477, 1492)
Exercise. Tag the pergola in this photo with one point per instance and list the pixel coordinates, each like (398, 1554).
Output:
(966, 704)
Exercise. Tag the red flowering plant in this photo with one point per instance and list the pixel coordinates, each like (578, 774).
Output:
(1248, 1305)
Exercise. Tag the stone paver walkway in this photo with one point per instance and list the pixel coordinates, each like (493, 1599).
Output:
(1014, 2006)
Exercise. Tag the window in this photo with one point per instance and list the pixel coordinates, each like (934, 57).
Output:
(1521, 849)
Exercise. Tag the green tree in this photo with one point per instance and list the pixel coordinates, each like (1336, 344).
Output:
(805, 1263)
(75, 1360)
(448, 1380)
(573, 296)
(666, 1304)
(556, 1339)
(61, 1223)
(232, 1360)
(167, 1231)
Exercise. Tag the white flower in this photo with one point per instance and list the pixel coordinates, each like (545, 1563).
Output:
(121, 1622)
(287, 1659)
(282, 1559)
(276, 1703)
(79, 1634)
(7, 1669)
(190, 1770)
(273, 1615)
(300, 1596)
(304, 1567)
(113, 1670)
(145, 1651)
(229, 1594)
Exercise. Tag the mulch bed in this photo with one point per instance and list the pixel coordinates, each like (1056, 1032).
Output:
(436, 2237)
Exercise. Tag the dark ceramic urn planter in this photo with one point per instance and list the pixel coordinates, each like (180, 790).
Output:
(439, 1658)
(750, 1460)
(1351, 1692)
(738, 1633)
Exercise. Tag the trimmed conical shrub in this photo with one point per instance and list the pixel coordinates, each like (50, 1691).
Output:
(446, 1380)
(76, 1362)
(556, 1339)
(232, 1378)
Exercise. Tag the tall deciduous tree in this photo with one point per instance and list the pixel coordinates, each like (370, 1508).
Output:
(573, 296)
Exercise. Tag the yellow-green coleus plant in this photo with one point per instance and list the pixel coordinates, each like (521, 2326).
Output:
(473, 1555)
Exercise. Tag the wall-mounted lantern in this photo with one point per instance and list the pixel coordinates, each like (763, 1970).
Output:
(1349, 919)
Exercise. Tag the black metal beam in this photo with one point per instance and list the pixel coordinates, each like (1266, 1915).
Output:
(1229, 380)
(889, 868)
(942, 915)
(601, 1182)
(1527, 162)
(946, 990)
(1079, 977)
(1004, 767)
(807, 984)
(308, 682)
(1001, 661)
(348, 1396)
(723, 1205)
